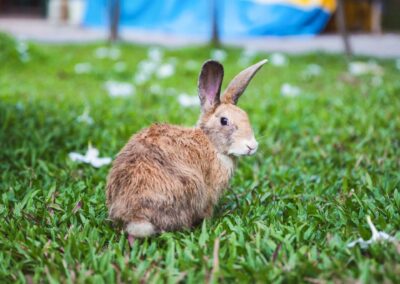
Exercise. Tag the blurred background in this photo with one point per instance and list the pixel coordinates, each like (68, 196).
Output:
(259, 23)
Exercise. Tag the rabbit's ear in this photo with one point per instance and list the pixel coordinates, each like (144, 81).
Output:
(237, 86)
(209, 84)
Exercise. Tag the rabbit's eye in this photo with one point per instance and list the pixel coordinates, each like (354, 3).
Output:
(224, 121)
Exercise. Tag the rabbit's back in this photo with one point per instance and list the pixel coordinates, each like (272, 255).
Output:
(165, 175)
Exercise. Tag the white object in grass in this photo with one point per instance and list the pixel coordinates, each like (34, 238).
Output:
(358, 68)
(119, 89)
(188, 101)
(155, 89)
(155, 54)
(120, 66)
(85, 117)
(140, 78)
(145, 70)
(83, 68)
(278, 59)
(104, 52)
(218, 54)
(165, 70)
(101, 52)
(250, 53)
(147, 66)
(247, 57)
(313, 70)
(288, 90)
(114, 53)
(377, 236)
(91, 157)
(22, 49)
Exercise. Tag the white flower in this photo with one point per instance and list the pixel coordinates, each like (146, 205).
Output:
(91, 157)
(313, 70)
(155, 89)
(120, 66)
(247, 56)
(165, 70)
(85, 117)
(376, 237)
(188, 101)
(141, 78)
(154, 66)
(104, 52)
(21, 46)
(218, 54)
(114, 53)
(249, 53)
(101, 52)
(358, 68)
(288, 90)
(83, 68)
(25, 57)
(146, 68)
(155, 54)
(119, 89)
(22, 49)
(278, 59)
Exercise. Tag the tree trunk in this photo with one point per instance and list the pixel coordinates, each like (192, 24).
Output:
(341, 24)
(376, 17)
(114, 20)
(215, 39)
(64, 11)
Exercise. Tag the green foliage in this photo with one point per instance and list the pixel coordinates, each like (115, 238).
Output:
(327, 159)
(8, 48)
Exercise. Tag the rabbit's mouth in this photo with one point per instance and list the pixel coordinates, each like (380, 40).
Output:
(245, 148)
(251, 151)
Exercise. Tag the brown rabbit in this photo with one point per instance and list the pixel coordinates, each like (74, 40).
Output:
(170, 177)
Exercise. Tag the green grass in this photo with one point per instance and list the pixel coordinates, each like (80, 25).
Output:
(327, 159)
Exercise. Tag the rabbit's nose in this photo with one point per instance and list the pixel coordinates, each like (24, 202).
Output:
(252, 146)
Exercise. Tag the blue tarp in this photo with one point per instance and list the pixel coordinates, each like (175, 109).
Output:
(236, 18)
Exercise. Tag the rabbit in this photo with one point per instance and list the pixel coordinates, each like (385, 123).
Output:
(168, 177)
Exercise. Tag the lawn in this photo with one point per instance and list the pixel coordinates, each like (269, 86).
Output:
(329, 156)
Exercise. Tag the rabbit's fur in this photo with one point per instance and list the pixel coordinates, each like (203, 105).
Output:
(170, 177)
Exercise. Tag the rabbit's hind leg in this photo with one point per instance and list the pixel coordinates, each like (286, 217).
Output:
(140, 228)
